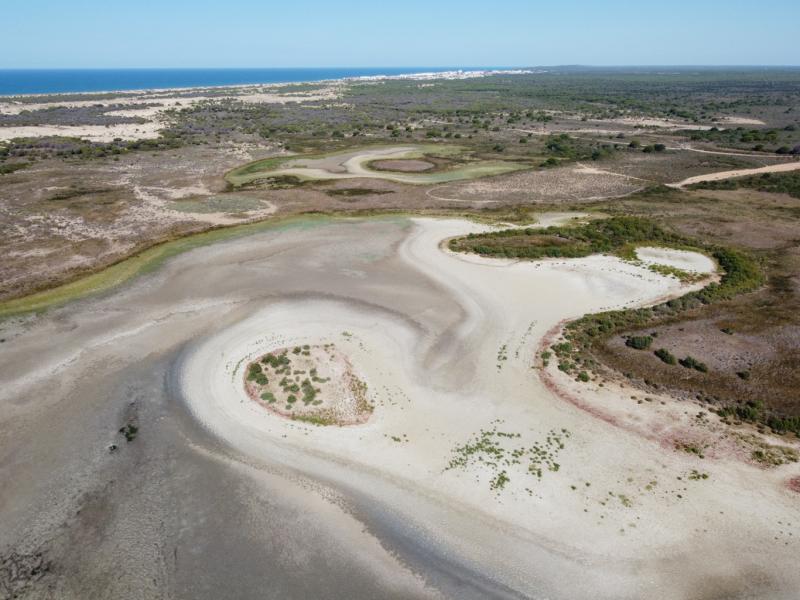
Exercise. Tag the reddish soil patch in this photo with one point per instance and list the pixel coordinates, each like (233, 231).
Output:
(666, 435)
(551, 384)
(794, 484)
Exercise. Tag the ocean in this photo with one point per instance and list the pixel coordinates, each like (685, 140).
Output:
(59, 81)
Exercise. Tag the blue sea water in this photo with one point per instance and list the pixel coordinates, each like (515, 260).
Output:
(56, 81)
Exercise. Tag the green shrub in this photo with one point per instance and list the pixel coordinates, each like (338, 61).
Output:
(665, 356)
(639, 342)
(692, 363)
(5, 169)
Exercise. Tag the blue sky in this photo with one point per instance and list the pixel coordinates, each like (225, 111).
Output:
(316, 33)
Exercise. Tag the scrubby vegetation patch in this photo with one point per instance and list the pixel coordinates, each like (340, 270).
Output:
(313, 384)
(618, 235)
(776, 183)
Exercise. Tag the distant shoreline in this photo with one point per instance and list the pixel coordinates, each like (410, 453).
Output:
(271, 78)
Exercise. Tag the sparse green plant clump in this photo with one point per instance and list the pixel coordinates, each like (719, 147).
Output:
(771, 455)
(696, 475)
(316, 378)
(497, 450)
(665, 356)
(279, 362)
(679, 274)
(502, 354)
(690, 448)
(499, 481)
(314, 419)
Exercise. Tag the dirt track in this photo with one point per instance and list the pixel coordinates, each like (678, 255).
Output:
(719, 176)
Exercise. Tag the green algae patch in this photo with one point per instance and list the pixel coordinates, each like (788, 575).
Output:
(145, 262)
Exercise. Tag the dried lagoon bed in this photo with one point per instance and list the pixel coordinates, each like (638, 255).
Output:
(446, 344)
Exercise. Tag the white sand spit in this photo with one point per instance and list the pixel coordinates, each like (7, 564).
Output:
(679, 259)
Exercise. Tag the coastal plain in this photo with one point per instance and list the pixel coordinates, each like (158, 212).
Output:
(403, 338)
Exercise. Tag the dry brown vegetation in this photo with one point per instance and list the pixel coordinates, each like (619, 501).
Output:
(751, 343)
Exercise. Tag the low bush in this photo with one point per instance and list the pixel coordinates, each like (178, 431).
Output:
(639, 342)
(692, 363)
(665, 356)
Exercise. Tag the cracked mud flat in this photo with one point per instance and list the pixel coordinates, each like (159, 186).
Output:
(218, 497)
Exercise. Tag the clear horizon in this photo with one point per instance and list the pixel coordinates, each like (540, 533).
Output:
(437, 67)
(81, 34)
(36, 81)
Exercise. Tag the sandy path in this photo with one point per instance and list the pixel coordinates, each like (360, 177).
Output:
(761, 155)
(781, 168)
